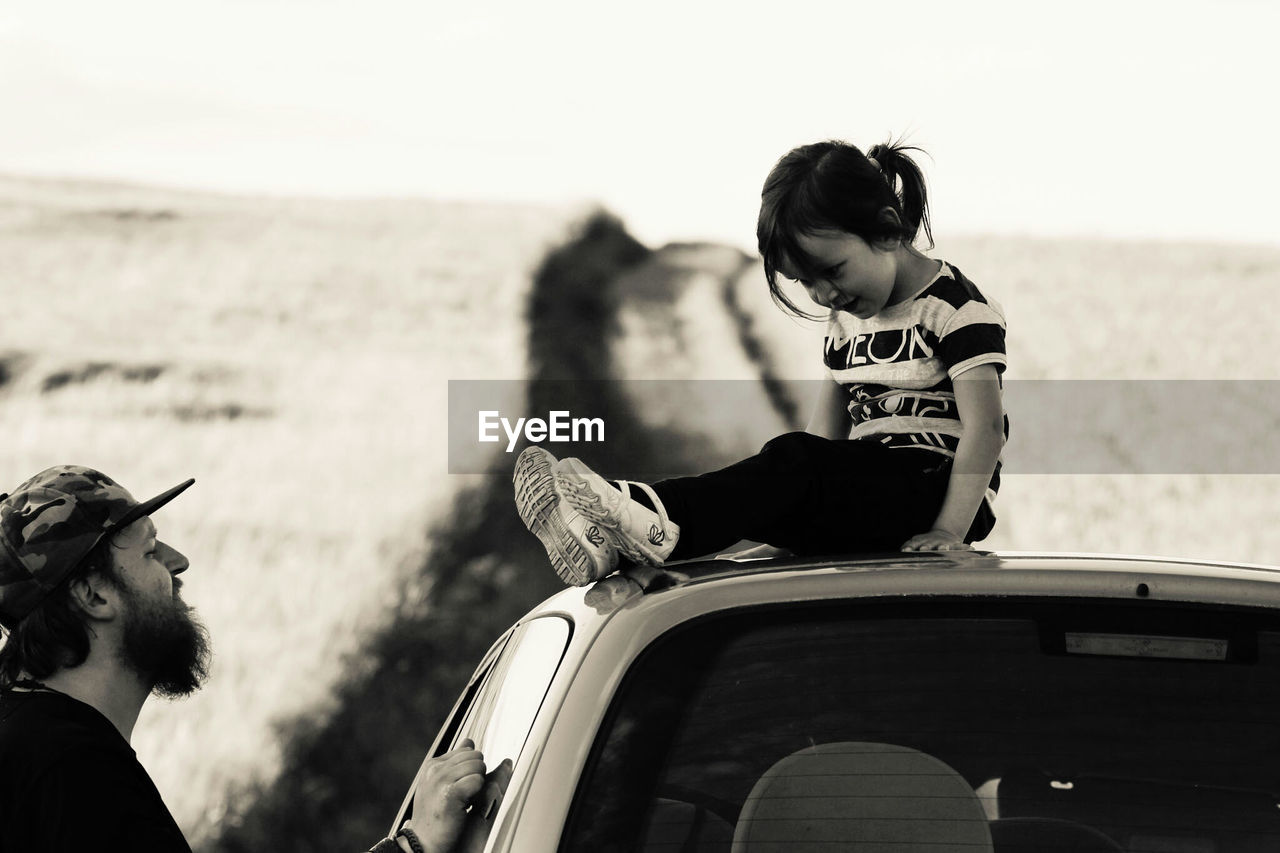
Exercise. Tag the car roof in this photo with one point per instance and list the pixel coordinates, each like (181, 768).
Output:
(711, 584)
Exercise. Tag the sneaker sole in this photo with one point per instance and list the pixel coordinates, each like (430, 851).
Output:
(537, 501)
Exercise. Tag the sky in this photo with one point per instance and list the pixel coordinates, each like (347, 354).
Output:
(1120, 119)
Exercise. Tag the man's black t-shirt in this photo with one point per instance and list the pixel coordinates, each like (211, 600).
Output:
(70, 782)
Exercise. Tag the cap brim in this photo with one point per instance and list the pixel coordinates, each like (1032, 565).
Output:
(149, 506)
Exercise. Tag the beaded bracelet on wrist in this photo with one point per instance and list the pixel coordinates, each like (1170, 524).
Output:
(412, 837)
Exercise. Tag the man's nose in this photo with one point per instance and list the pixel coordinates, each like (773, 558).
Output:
(173, 559)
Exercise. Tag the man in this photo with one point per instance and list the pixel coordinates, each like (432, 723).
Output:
(95, 623)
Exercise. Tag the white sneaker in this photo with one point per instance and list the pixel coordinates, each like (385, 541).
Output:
(640, 534)
(584, 522)
(580, 550)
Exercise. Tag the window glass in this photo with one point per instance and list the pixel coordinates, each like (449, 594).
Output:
(465, 708)
(1145, 727)
(504, 709)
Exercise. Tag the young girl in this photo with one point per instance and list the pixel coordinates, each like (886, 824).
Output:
(902, 450)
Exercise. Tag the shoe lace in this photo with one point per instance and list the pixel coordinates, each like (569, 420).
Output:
(581, 496)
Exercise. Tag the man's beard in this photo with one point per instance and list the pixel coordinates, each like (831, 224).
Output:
(166, 644)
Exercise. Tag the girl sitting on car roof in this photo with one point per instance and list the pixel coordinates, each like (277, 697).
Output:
(903, 448)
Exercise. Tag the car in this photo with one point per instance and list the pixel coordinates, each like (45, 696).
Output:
(940, 701)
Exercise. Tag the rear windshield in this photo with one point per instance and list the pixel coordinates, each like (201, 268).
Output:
(1012, 727)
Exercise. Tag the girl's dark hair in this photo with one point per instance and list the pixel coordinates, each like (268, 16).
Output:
(55, 634)
(833, 186)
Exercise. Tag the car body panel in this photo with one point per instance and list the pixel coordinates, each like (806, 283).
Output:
(614, 621)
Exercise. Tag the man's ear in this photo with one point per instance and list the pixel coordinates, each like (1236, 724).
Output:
(95, 596)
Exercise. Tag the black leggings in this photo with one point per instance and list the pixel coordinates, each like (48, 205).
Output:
(812, 495)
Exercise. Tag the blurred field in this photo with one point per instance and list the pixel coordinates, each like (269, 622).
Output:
(1140, 311)
(292, 356)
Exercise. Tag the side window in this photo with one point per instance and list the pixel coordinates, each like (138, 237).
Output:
(464, 709)
(503, 711)
(499, 705)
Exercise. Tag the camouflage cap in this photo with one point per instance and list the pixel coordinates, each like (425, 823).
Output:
(50, 524)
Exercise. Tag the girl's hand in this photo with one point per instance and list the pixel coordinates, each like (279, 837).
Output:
(758, 552)
(936, 540)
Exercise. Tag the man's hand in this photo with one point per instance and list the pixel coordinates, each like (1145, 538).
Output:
(480, 820)
(936, 540)
(447, 787)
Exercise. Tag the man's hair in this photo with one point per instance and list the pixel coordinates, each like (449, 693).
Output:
(55, 635)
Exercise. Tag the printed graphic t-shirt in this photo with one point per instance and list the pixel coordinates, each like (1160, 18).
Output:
(71, 782)
(898, 367)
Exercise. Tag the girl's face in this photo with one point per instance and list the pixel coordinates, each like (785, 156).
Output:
(849, 273)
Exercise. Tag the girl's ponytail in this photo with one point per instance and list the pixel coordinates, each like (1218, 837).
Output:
(907, 182)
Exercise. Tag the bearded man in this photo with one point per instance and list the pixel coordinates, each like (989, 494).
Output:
(95, 623)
